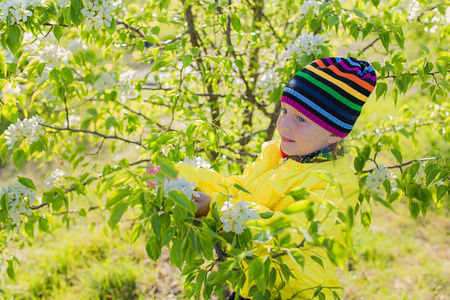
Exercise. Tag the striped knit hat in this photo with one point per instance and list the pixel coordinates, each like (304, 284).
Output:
(331, 92)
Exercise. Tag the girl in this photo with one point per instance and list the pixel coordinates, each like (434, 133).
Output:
(320, 105)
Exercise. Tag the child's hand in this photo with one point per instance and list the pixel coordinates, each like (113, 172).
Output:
(152, 170)
(202, 203)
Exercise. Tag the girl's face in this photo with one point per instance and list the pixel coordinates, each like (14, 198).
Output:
(299, 135)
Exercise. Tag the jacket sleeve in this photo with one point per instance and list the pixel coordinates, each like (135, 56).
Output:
(211, 181)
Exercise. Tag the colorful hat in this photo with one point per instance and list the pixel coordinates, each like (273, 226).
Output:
(331, 92)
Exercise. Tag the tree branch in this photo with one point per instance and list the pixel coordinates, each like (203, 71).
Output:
(399, 166)
(93, 133)
(370, 45)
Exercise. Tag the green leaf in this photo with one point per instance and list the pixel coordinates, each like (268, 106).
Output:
(57, 201)
(10, 111)
(116, 196)
(58, 32)
(4, 203)
(266, 214)
(236, 23)
(14, 38)
(83, 212)
(67, 75)
(27, 182)
(10, 270)
(176, 253)
(239, 64)
(135, 233)
(359, 13)
(76, 4)
(153, 248)
(335, 295)
(167, 167)
(255, 270)
(29, 229)
(414, 209)
(43, 224)
(332, 20)
(398, 155)
(187, 60)
(298, 194)
(381, 89)
(111, 121)
(297, 255)
(3, 67)
(195, 51)
(262, 237)
(155, 30)
(92, 111)
(19, 158)
(442, 69)
(241, 188)
(181, 199)
(152, 40)
(425, 49)
(117, 213)
(317, 260)
(337, 253)
(299, 207)
(385, 39)
(366, 219)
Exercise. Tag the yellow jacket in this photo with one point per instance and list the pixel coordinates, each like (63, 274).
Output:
(269, 179)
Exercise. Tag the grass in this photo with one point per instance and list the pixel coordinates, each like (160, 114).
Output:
(400, 258)
(78, 264)
(397, 258)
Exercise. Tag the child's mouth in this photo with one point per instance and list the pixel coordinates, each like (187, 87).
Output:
(286, 140)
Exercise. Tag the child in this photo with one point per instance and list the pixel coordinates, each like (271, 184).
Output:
(320, 105)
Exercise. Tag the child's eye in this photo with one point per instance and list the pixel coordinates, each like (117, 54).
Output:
(283, 111)
(300, 119)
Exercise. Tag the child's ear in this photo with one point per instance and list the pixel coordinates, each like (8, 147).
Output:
(333, 139)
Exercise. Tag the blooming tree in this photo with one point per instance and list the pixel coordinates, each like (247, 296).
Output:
(198, 82)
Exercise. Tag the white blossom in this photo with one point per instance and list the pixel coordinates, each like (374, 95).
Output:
(196, 162)
(20, 198)
(106, 81)
(28, 129)
(391, 177)
(55, 179)
(308, 4)
(53, 56)
(73, 120)
(421, 176)
(233, 218)
(17, 9)
(374, 181)
(10, 90)
(305, 44)
(180, 184)
(447, 15)
(63, 3)
(75, 45)
(269, 81)
(98, 13)
(126, 87)
(412, 9)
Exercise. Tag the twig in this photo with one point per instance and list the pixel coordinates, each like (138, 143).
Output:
(401, 165)
(414, 74)
(99, 148)
(131, 28)
(220, 254)
(370, 45)
(93, 133)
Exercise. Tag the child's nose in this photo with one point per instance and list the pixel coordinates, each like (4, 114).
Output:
(284, 124)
